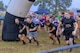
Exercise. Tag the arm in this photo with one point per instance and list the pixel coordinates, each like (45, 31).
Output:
(75, 28)
(62, 30)
(27, 28)
(22, 29)
(52, 29)
(33, 29)
(57, 32)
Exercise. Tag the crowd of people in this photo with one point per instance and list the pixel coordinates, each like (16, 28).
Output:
(56, 25)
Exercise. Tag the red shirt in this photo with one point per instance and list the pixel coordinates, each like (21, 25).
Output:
(44, 17)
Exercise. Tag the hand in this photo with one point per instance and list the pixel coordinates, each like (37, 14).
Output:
(17, 21)
(74, 32)
(30, 30)
(20, 31)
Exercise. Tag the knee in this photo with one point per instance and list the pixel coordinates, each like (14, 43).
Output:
(30, 38)
(71, 41)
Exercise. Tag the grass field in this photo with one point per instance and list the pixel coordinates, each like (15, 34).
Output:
(17, 47)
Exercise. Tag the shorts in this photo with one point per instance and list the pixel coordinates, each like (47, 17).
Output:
(67, 37)
(53, 33)
(42, 25)
(68, 34)
(33, 34)
(24, 32)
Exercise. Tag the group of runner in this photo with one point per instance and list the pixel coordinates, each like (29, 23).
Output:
(55, 26)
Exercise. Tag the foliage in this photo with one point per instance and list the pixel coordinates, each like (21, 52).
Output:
(53, 5)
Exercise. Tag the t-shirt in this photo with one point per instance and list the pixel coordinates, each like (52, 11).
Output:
(21, 25)
(59, 17)
(42, 20)
(32, 26)
(68, 24)
(51, 26)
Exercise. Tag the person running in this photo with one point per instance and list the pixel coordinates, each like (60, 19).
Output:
(56, 23)
(32, 27)
(22, 31)
(69, 28)
(51, 31)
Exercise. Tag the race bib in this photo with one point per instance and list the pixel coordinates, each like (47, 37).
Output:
(68, 25)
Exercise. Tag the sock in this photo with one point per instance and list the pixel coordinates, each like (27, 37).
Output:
(29, 41)
(36, 41)
(23, 42)
(22, 37)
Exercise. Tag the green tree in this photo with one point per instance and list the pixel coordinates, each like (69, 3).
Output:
(53, 5)
(1, 5)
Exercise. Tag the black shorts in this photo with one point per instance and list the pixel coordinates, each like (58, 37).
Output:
(67, 37)
(53, 32)
(68, 34)
(24, 32)
(42, 25)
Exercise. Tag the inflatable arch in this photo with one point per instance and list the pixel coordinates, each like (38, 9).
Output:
(16, 9)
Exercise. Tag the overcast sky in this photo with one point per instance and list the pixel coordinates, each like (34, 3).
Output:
(75, 4)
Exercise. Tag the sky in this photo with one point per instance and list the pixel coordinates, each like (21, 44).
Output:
(75, 4)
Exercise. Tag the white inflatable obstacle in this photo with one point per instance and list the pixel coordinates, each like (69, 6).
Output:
(16, 9)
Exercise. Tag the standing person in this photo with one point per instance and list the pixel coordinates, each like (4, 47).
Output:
(44, 17)
(42, 23)
(22, 31)
(32, 27)
(69, 27)
(47, 17)
(59, 16)
(51, 31)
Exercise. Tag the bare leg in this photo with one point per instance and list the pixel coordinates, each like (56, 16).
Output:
(35, 39)
(52, 37)
(22, 38)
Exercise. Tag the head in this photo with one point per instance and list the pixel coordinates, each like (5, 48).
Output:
(67, 14)
(56, 19)
(62, 14)
(29, 19)
(48, 23)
